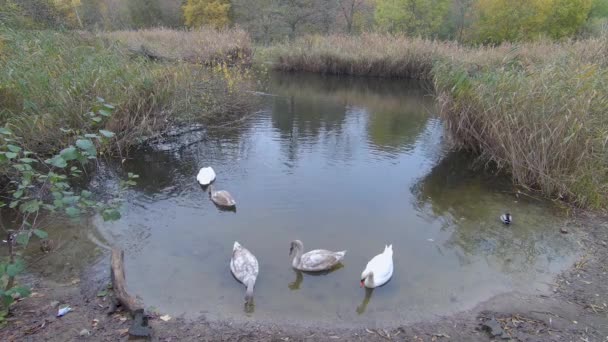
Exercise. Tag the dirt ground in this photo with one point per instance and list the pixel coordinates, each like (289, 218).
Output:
(576, 310)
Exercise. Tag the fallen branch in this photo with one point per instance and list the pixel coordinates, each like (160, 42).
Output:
(140, 327)
(119, 282)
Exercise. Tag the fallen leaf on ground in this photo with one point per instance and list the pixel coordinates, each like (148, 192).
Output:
(165, 318)
(123, 332)
(441, 335)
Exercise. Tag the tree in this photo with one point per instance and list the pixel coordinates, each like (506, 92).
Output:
(349, 9)
(212, 13)
(261, 18)
(513, 20)
(459, 20)
(296, 13)
(563, 18)
(414, 17)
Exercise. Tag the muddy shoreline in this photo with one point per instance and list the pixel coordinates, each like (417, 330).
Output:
(576, 310)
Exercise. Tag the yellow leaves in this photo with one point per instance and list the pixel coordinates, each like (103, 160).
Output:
(510, 20)
(213, 13)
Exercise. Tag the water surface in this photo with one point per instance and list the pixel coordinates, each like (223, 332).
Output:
(338, 163)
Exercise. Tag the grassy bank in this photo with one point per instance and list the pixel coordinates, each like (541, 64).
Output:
(543, 119)
(536, 110)
(203, 45)
(49, 79)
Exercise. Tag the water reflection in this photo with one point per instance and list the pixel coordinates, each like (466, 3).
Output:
(363, 306)
(460, 193)
(340, 163)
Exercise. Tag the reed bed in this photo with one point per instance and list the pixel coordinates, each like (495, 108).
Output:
(203, 46)
(537, 110)
(65, 72)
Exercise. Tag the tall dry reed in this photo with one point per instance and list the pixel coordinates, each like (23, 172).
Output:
(203, 45)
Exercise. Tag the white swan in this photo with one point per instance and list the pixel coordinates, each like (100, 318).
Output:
(206, 176)
(313, 261)
(379, 270)
(221, 198)
(244, 267)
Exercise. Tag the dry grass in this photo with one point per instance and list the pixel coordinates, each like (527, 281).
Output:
(540, 114)
(65, 72)
(204, 45)
(537, 110)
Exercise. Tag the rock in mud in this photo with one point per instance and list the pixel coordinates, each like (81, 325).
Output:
(494, 328)
(140, 327)
(84, 332)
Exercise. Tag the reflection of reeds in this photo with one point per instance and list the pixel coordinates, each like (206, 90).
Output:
(535, 109)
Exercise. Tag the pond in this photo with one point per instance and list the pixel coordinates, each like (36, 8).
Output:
(339, 163)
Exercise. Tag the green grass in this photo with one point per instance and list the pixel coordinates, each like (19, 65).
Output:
(48, 79)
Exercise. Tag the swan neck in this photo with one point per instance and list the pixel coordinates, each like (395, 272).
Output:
(298, 248)
(370, 278)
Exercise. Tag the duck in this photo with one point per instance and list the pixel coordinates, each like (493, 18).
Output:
(314, 261)
(206, 176)
(221, 198)
(379, 270)
(245, 268)
(506, 218)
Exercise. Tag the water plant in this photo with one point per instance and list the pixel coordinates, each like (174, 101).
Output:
(37, 185)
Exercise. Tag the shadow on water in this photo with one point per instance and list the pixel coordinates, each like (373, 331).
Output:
(295, 285)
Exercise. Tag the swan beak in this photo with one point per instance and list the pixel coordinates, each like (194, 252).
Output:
(362, 283)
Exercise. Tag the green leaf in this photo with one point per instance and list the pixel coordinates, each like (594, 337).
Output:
(30, 206)
(72, 211)
(5, 131)
(108, 106)
(15, 268)
(110, 215)
(13, 148)
(100, 99)
(41, 234)
(86, 193)
(104, 112)
(18, 193)
(102, 293)
(86, 145)
(14, 204)
(107, 134)
(10, 155)
(57, 161)
(7, 300)
(21, 290)
(23, 238)
(27, 160)
(69, 153)
(96, 119)
(88, 135)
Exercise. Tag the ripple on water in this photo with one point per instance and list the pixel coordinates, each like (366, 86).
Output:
(339, 163)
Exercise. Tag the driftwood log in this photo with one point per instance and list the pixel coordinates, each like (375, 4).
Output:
(140, 327)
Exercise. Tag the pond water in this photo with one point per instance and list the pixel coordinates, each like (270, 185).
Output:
(338, 163)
